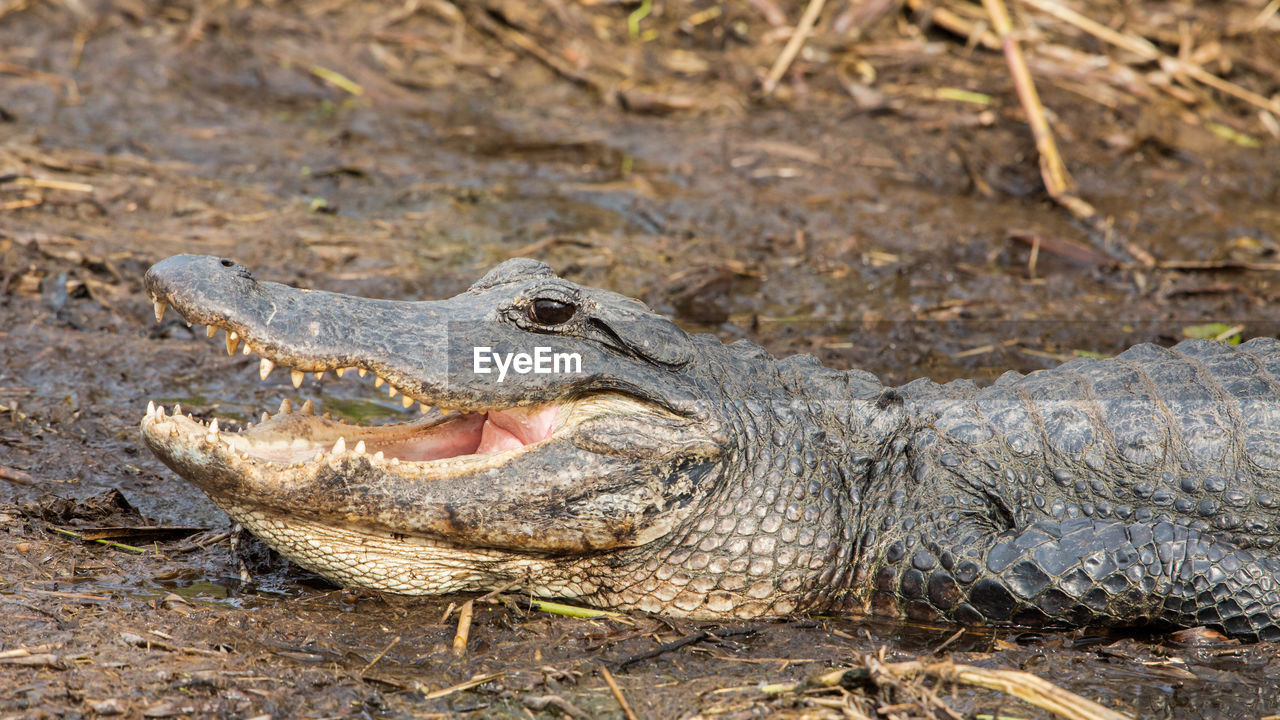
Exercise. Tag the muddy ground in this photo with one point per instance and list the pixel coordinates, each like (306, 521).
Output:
(881, 220)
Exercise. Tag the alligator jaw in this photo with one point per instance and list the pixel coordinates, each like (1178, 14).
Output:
(520, 472)
(428, 448)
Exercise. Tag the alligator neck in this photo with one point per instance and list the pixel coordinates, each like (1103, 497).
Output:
(796, 502)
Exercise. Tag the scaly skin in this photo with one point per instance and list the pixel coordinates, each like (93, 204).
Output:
(1137, 490)
(1111, 492)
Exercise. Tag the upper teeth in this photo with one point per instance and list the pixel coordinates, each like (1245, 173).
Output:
(266, 365)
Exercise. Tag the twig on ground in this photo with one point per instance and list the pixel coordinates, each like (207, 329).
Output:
(380, 655)
(489, 596)
(1076, 252)
(792, 48)
(464, 628)
(199, 541)
(337, 79)
(686, 640)
(1193, 265)
(953, 22)
(108, 543)
(480, 19)
(1024, 686)
(1057, 181)
(1144, 49)
(527, 604)
(953, 638)
(16, 476)
(1267, 13)
(628, 98)
(22, 204)
(557, 703)
(617, 692)
(71, 91)
(48, 184)
(570, 610)
(466, 685)
(24, 656)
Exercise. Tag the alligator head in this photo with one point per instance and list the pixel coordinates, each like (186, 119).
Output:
(581, 448)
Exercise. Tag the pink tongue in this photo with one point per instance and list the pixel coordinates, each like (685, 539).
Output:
(495, 439)
(528, 425)
(458, 438)
(517, 427)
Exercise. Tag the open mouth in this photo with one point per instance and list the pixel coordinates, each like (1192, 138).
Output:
(551, 462)
(293, 438)
(441, 441)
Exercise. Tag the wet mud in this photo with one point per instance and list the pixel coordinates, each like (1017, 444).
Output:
(402, 151)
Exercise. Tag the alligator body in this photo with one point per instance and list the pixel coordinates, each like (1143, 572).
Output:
(674, 474)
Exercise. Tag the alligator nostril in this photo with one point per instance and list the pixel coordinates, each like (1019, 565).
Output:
(228, 263)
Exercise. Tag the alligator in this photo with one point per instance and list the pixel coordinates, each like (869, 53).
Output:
(659, 471)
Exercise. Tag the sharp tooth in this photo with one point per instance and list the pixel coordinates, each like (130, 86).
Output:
(378, 382)
(309, 407)
(210, 331)
(319, 456)
(445, 410)
(296, 376)
(339, 371)
(425, 408)
(213, 427)
(151, 408)
(285, 407)
(247, 350)
(159, 413)
(233, 342)
(177, 409)
(265, 367)
(378, 456)
(406, 401)
(361, 371)
(340, 446)
(391, 391)
(188, 322)
(160, 305)
(319, 375)
(359, 447)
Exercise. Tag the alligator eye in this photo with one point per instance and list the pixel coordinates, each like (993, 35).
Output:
(551, 312)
